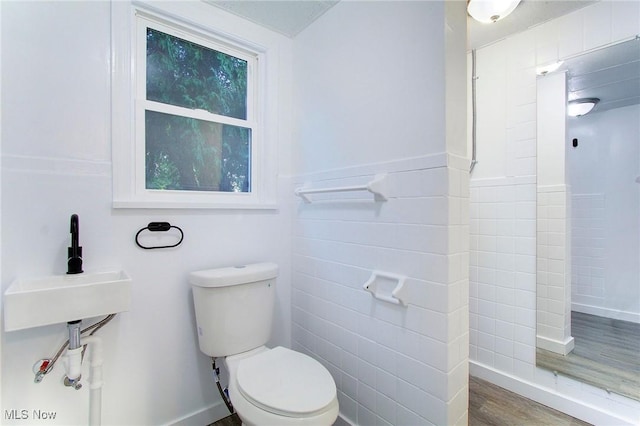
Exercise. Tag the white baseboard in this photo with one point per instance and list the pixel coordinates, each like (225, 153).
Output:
(203, 417)
(341, 421)
(549, 397)
(562, 348)
(218, 411)
(607, 313)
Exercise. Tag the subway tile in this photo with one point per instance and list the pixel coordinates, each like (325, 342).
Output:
(524, 353)
(422, 403)
(426, 322)
(411, 343)
(503, 363)
(349, 363)
(349, 386)
(505, 278)
(526, 148)
(366, 416)
(525, 193)
(406, 417)
(366, 327)
(454, 178)
(486, 341)
(455, 210)
(357, 336)
(386, 333)
(366, 396)
(525, 228)
(348, 407)
(503, 347)
(386, 409)
(525, 166)
(525, 334)
(457, 353)
(526, 210)
(493, 227)
(525, 316)
(505, 328)
(386, 383)
(484, 356)
(385, 359)
(505, 227)
(367, 350)
(367, 373)
(428, 295)
(526, 246)
(423, 238)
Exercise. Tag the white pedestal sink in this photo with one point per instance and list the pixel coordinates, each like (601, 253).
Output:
(62, 298)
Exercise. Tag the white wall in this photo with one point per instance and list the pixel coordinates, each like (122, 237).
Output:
(56, 160)
(369, 102)
(503, 210)
(606, 205)
(370, 98)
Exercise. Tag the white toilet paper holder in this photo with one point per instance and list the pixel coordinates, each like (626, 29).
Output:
(387, 287)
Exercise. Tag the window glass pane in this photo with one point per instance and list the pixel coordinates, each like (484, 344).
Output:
(189, 75)
(195, 155)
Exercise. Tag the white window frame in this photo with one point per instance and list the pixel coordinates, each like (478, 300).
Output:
(129, 103)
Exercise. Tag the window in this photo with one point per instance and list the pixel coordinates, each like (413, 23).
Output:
(196, 140)
(197, 133)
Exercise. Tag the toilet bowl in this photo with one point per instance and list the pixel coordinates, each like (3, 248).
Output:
(281, 387)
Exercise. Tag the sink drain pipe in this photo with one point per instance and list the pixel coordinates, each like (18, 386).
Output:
(74, 370)
(74, 357)
(95, 379)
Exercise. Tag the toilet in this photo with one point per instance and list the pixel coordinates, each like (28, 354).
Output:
(278, 386)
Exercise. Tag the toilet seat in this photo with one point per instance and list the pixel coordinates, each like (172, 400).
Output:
(286, 383)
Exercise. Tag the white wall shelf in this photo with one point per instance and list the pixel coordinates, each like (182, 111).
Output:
(377, 186)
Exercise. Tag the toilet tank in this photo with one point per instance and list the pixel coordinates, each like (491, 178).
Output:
(234, 307)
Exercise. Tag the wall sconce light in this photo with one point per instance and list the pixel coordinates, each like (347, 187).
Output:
(580, 107)
(488, 11)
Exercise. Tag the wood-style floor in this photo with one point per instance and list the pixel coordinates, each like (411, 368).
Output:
(606, 354)
(491, 405)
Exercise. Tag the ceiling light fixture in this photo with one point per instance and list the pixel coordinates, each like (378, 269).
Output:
(580, 107)
(488, 11)
(549, 68)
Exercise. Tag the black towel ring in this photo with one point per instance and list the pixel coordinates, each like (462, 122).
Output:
(159, 227)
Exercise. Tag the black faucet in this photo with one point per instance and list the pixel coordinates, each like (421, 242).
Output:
(74, 262)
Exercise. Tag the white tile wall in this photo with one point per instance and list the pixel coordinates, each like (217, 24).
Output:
(502, 270)
(393, 365)
(588, 245)
(553, 269)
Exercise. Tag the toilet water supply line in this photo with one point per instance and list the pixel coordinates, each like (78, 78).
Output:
(223, 393)
(74, 357)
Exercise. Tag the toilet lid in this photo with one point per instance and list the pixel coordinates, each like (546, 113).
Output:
(286, 382)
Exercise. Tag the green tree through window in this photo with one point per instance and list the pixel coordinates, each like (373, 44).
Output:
(185, 153)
